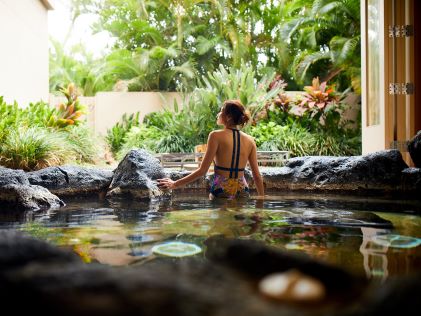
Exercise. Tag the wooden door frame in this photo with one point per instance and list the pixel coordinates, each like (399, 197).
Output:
(400, 115)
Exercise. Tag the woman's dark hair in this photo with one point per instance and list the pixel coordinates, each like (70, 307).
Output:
(235, 112)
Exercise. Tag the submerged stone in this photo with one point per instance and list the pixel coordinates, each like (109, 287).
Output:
(28, 197)
(176, 249)
(340, 219)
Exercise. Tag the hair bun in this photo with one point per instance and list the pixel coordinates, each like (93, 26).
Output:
(236, 112)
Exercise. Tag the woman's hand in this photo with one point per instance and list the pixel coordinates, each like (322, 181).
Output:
(166, 183)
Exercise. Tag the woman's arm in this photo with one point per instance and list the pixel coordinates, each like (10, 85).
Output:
(258, 181)
(211, 149)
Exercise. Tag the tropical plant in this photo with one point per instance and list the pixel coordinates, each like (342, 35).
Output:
(79, 67)
(116, 136)
(140, 137)
(293, 138)
(84, 144)
(324, 36)
(68, 113)
(29, 140)
(299, 39)
(152, 69)
(33, 148)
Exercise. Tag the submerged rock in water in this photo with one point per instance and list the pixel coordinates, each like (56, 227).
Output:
(72, 180)
(28, 197)
(414, 148)
(136, 176)
(341, 219)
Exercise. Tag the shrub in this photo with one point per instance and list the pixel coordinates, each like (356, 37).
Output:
(117, 134)
(34, 148)
(82, 142)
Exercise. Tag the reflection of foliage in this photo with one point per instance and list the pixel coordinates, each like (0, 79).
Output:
(37, 230)
(205, 223)
(318, 236)
(81, 239)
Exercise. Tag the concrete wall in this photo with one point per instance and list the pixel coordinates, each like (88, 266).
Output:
(107, 108)
(23, 51)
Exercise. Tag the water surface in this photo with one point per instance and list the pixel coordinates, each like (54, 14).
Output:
(373, 237)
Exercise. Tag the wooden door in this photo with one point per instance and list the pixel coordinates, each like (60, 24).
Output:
(400, 110)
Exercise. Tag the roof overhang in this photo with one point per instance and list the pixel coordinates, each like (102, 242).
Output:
(47, 4)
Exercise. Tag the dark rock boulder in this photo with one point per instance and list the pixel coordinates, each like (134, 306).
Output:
(18, 250)
(72, 180)
(256, 260)
(12, 176)
(377, 171)
(199, 184)
(411, 180)
(28, 197)
(414, 148)
(54, 282)
(136, 176)
(397, 296)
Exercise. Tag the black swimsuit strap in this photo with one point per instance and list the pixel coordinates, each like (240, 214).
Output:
(233, 153)
(235, 158)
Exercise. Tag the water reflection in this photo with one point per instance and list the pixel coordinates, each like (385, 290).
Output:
(339, 230)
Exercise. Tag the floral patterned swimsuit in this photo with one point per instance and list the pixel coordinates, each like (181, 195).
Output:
(234, 186)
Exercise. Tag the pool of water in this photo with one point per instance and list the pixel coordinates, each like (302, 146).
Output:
(374, 237)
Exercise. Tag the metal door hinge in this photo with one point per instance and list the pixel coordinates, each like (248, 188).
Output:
(401, 88)
(407, 88)
(407, 30)
(401, 30)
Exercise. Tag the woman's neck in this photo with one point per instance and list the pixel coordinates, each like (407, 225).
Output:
(231, 127)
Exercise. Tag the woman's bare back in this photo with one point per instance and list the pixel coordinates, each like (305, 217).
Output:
(223, 156)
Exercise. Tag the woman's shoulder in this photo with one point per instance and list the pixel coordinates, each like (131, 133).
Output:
(249, 137)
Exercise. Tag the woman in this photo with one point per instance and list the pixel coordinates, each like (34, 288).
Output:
(230, 149)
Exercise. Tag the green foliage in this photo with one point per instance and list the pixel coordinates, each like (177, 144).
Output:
(164, 45)
(324, 40)
(84, 71)
(188, 125)
(33, 148)
(83, 143)
(270, 136)
(117, 134)
(140, 137)
(29, 141)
